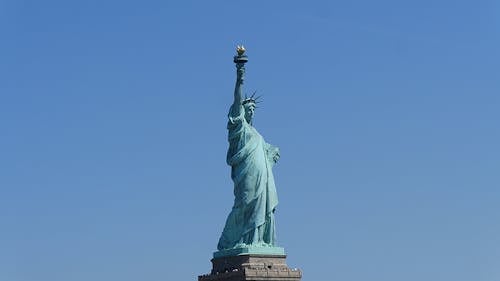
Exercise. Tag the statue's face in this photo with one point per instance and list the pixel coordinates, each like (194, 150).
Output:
(249, 112)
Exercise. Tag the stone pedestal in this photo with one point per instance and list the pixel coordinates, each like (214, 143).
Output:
(251, 267)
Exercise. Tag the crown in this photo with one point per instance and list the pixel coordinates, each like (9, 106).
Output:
(251, 99)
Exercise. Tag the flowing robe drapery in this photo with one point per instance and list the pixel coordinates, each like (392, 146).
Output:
(251, 221)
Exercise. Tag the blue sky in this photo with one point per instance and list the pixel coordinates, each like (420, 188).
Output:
(113, 136)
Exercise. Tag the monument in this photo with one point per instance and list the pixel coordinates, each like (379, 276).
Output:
(247, 248)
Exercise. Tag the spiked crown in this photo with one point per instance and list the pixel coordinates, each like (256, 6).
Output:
(251, 99)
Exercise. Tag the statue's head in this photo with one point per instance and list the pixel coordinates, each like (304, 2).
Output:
(249, 111)
(250, 104)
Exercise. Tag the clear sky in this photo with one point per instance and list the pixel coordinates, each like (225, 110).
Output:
(113, 136)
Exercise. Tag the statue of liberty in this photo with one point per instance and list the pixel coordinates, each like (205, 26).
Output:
(250, 224)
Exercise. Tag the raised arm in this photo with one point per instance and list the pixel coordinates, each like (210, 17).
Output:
(240, 59)
(238, 88)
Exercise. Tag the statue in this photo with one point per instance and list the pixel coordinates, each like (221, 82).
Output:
(250, 225)
(247, 247)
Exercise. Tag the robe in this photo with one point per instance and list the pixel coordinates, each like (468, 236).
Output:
(251, 220)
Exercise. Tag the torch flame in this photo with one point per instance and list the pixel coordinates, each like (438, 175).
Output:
(240, 50)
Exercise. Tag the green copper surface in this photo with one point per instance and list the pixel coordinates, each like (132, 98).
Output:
(251, 250)
(250, 224)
